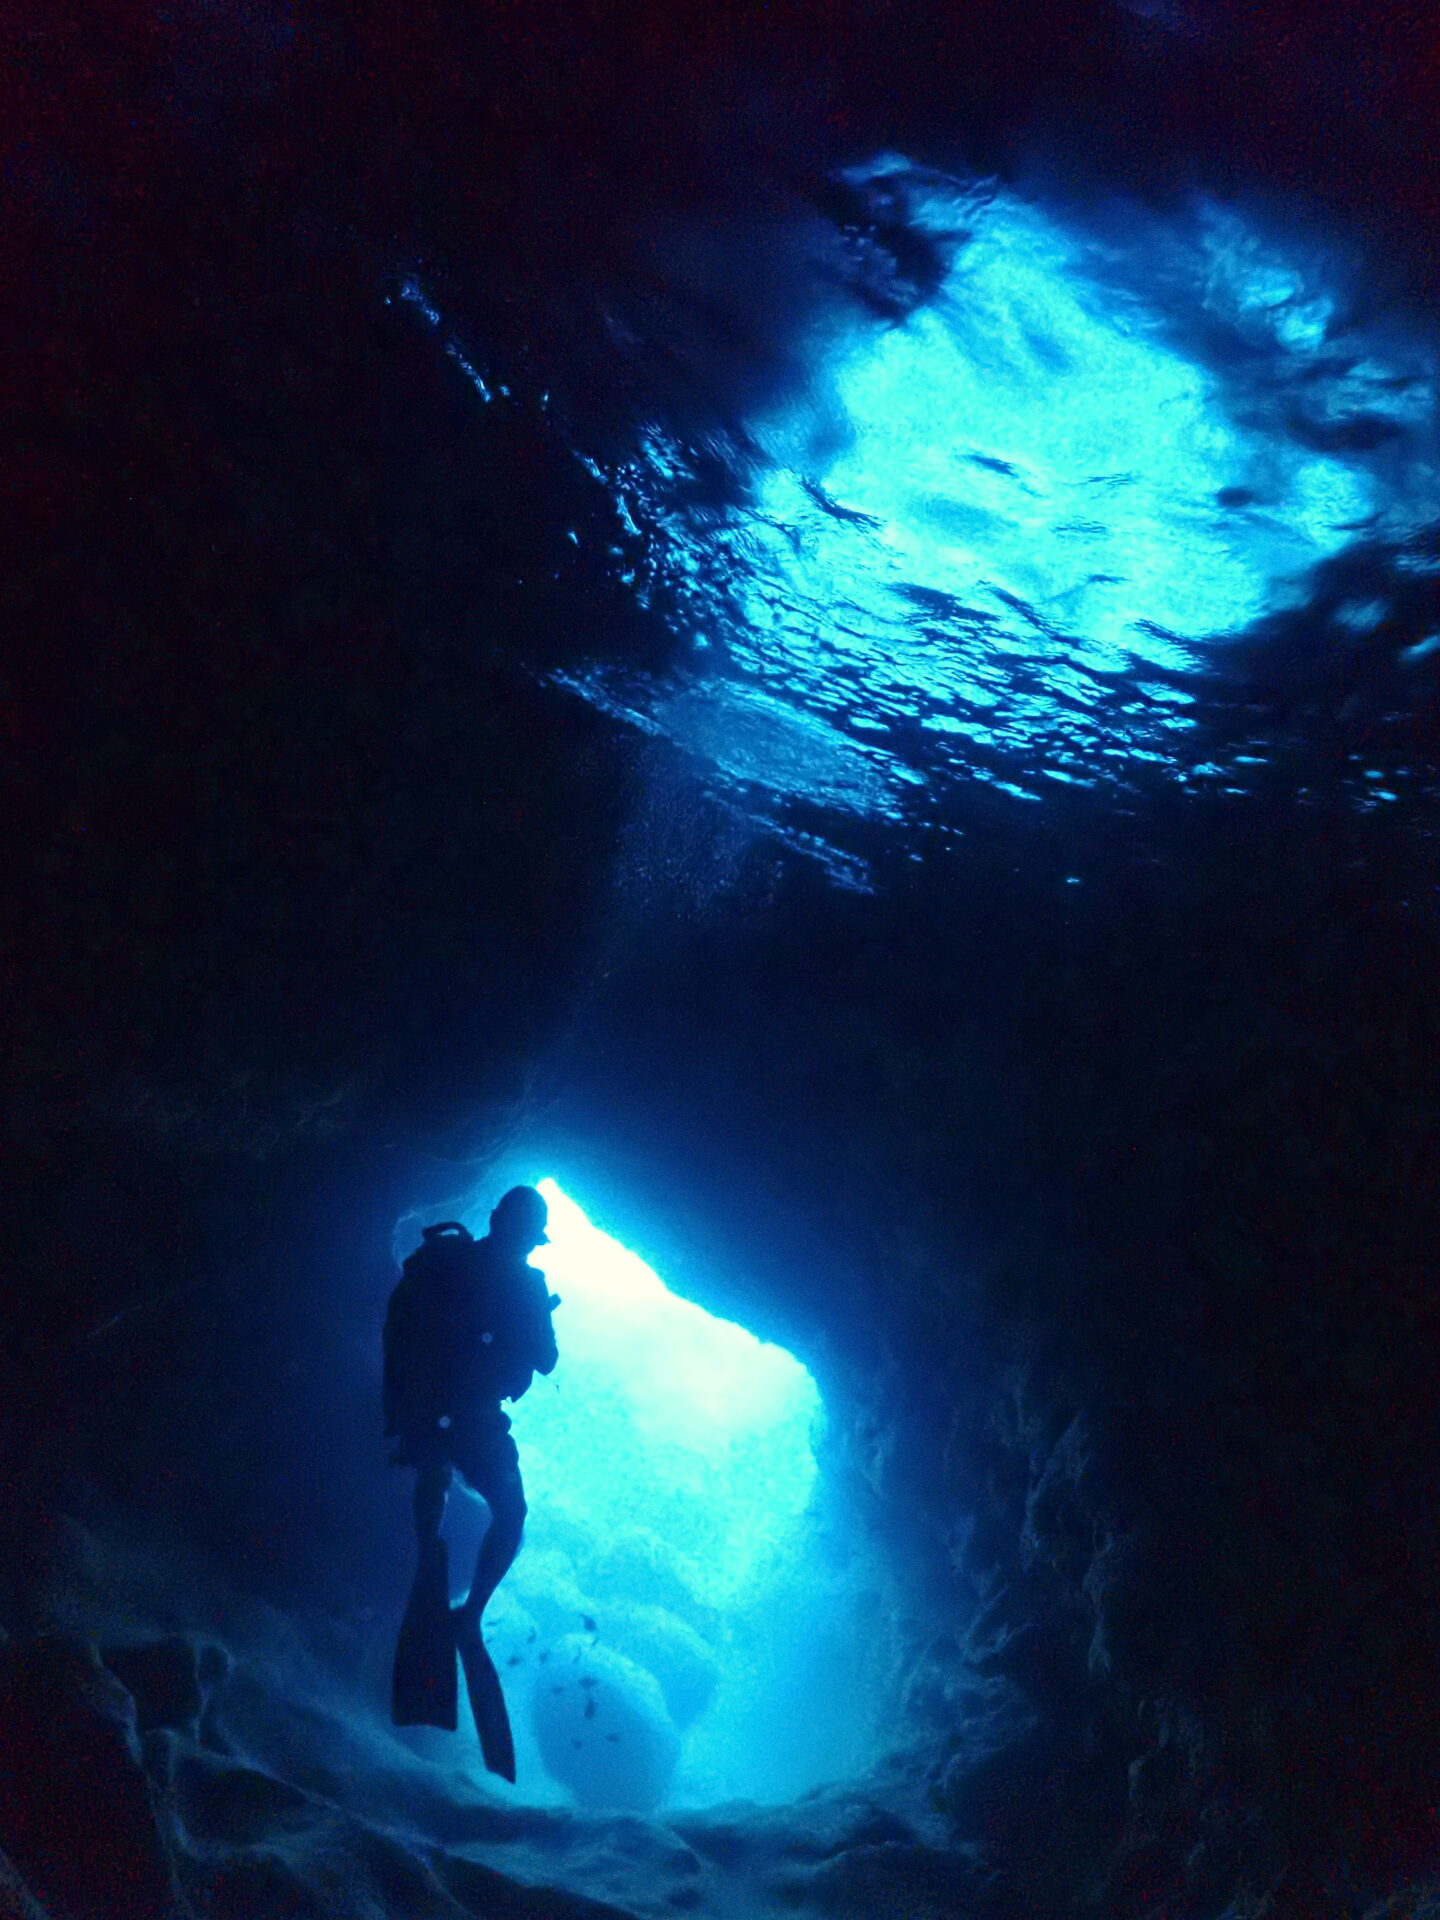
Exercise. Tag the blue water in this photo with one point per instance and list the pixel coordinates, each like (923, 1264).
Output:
(1128, 486)
(673, 1628)
(665, 1418)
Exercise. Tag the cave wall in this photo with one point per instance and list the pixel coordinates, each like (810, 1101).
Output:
(1104, 1212)
(1118, 1253)
(1126, 1341)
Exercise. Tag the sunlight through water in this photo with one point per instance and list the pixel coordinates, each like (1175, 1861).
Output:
(1002, 539)
(672, 1628)
(664, 1415)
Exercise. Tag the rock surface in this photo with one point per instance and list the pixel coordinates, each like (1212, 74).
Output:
(1105, 1213)
(234, 1823)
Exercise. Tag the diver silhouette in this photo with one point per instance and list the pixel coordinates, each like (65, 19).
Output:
(467, 1326)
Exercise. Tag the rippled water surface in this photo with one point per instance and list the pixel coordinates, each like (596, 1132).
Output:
(1020, 535)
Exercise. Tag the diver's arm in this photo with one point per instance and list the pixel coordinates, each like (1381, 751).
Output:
(547, 1353)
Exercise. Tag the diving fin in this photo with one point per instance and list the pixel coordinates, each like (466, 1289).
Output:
(424, 1690)
(487, 1701)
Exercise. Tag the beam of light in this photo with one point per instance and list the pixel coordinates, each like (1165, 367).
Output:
(673, 1623)
(661, 1408)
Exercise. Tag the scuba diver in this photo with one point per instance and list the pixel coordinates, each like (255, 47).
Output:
(467, 1327)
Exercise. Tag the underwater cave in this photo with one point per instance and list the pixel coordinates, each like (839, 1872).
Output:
(685, 1596)
(813, 631)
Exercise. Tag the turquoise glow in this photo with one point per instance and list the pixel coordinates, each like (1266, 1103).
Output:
(672, 1628)
(663, 1413)
(1031, 439)
(995, 541)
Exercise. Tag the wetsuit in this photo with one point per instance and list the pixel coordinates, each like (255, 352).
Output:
(459, 1339)
(468, 1326)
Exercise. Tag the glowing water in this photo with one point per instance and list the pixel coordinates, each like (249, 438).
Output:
(998, 540)
(1035, 439)
(663, 1416)
(673, 1624)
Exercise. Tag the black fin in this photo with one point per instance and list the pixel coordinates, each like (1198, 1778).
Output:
(487, 1699)
(424, 1691)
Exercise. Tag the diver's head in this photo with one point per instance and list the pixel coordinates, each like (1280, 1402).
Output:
(519, 1219)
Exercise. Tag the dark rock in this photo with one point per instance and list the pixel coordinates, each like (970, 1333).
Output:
(222, 1801)
(169, 1680)
(262, 1883)
(76, 1812)
(921, 1882)
(724, 1841)
(15, 1901)
(482, 1890)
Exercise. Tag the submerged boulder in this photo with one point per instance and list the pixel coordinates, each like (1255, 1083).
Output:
(603, 1729)
(639, 1561)
(681, 1659)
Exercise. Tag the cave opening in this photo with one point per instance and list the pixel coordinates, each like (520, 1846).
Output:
(691, 1619)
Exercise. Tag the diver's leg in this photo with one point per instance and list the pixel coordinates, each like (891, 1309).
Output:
(499, 1547)
(432, 1483)
(493, 1470)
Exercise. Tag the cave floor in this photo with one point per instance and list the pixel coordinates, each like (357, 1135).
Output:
(853, 1848)
(217, 1785)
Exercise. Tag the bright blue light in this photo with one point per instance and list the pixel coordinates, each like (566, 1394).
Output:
(1031, 437)
(663, 1415)
(989, 540)
(671, 1598)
